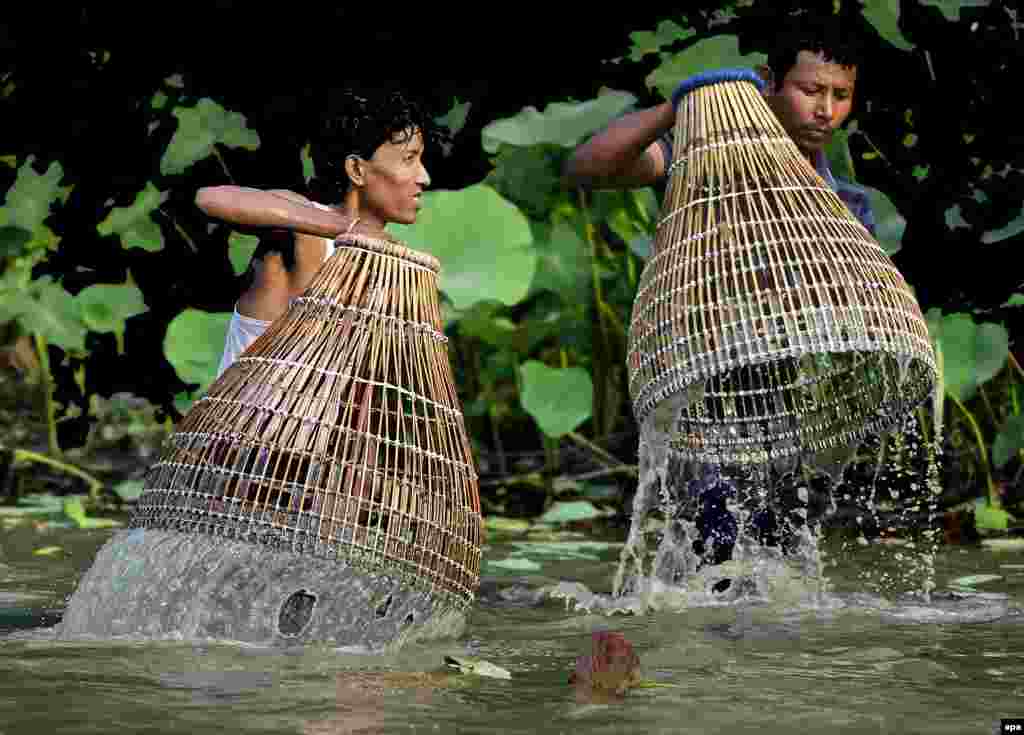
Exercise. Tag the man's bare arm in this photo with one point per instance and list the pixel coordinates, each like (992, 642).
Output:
(277, 208)
(624, 155)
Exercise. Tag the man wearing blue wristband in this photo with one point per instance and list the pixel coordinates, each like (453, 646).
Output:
(809, 84)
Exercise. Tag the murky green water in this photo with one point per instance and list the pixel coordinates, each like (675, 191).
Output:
(731, 668)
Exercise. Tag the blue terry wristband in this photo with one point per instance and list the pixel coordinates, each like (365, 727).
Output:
(738, 74)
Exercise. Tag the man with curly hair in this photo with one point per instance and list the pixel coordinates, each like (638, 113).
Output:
(368, 152)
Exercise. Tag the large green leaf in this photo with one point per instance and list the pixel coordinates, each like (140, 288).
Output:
(54, 315)
(529, 176)
(13, 241)
(104, 306)
(951, 8)
(482, 320)
(567, 512)
(134, 224)
(883, 15)
(27, 204)
(1012, 229)
(972, 353)
(455, 118)
(1008, 441)
(708, 54)
(194, 345)
(240, 251)
(651, 42)
(559, 399)
(561, 123)
(483, 241)
(564, 262)
(889, 223)
(200, 128)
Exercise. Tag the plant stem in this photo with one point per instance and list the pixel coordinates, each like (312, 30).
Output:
(624, 469)
(24, 455)
(993, 496)
(181, 230)
(223, 163)
(601, 354)
(51, 422)
(587, 444)
(1016, 365)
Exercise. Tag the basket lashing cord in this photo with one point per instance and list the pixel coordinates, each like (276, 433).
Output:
(733, 74)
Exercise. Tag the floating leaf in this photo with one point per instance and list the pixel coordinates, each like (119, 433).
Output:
(651, 42)
(134, 224)
(194, 345)
(476, 667)
(500, 524)
(455, 118)
(883, 15)
(1004, 544)
(1015, 300)
(972, 353)
(921, 172)
(559, 548)
(75, 511)
(559, 399)
(561, 123)
(568, 512)
(976, 579)
(989, 518)
(105, 307)
(889, 223)
(240, 251)
(514, 564)
(200, 128)
(129, 490)
(158, 101)
(716, 52)
(48, 550)
(483, 241)
(1009, 441)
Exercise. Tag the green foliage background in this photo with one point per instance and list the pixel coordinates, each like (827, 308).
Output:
(538, 278)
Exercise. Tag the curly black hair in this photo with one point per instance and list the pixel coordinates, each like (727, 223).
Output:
(358, 122)
(818, 33)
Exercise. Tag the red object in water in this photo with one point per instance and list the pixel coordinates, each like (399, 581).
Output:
(612, 666)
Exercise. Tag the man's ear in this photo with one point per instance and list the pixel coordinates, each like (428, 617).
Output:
(765, 72)
(354, 169)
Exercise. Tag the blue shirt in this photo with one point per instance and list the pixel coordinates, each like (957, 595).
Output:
(854, 197)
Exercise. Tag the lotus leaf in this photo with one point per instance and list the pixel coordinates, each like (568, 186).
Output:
(200, 128)
(559, 399)
(134, 224)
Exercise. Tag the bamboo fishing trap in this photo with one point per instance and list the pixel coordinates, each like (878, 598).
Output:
(337, 435)
(768, 323)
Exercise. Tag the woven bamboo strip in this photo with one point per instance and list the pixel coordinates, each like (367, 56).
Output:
(765, 301)
(338, 432)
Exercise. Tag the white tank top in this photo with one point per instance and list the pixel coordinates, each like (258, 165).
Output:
(243, 330)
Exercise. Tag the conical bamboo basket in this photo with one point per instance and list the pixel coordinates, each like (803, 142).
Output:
(767, 319)
(337, 434)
